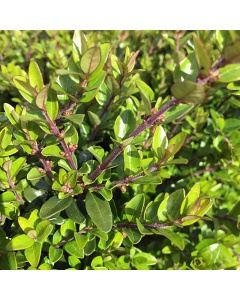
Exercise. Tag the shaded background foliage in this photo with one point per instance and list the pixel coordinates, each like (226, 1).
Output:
(211, 146)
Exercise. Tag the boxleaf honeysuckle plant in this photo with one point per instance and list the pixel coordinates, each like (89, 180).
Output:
(85, 158)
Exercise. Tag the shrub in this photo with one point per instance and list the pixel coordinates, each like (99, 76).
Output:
(108, 166)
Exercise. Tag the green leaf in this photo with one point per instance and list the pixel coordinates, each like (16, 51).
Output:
(113, 85)
(33, 254)
(76, 118)
(9, 210)
(52, 150)
(35, 76)
(43, 229)
(143, 258)
(147, 95)
(94, 86)
(124, 124)
(133, 235)
(25, 224)
(104, 49)
(170, 206)
(159, 140)
(34, 174)
(188, 92)
(202, 58)
(79, 45)
(75, 214)
(8, 261)
(99, 233)
(42, 97)
(232, 53)
(172, 236)
(94, 119)
(132, 160)
(100, 212)
(24, 88)
(190, 199)
(187, 69)
(134, 208)
(80, 239)
(19, 242)
(7, 197)
(53, 206)
(90, 60)
(106, 193)
(6, 137)
(230, 73)
(142, 229)
(67, 228)
(17, 166)
(52, 104)
(98, 152)
(9, 110)
(176, 143)
(73, 249)
(55, 254)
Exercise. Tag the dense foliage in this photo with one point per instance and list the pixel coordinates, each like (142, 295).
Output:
(119, 150)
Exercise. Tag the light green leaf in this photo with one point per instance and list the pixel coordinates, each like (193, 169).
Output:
(35, 76)
(6, 137)
(68, 228)
(159, 143)
(79, 45)
(52, 104)
(134, 208)
(124, 124)
(232, 53)
(76, 118)
(73, 249)
(104, 49)
(132, 160)
(187, 69)
(17, 166)
(100, 212)
(52, 150)
(19, 242)
(230, 73)
(81, 240)
(188, 92)
(172, 236)
(147, 95)
(94, 119)
(34, 174)
(25, 224)
(24, 88)
(55, 254)
(53, 206)
(9, 210)
(133, 235)
(7, 197)
(190, 199)
(143, 258)
(43, 229)
(33, 254)
(176, 143)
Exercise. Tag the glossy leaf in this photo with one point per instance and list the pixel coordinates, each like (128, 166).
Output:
(73, 249)
(43, 228)
(143, 258)
(79, 45)
(53, 206)
(52, 104)
(7, 197)
(76, 118)
(134, 208)
(17, 166)
(55, 254)
(6, 137)
(131, 160)
(90, 60)
(81, 240)
(159, 140)
(24, 88)
(133, 235)
(176, 143)
(33, 254)
(35, 76)
(9, 210)
(94, 119)
(124, 124)
(188, 92)
(100, 212)
(25, 224)
(52, 150)
(190, 199)
(230, 73)
(67, 228)
(34, 174)
(187, 69)
(19, 242)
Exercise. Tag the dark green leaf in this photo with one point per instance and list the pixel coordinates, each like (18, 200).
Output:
(202, 58)
(73, 249)
(75, 214)
(76, 118)
(53, 206)
(172, 236)
(232, 53)
(8, 261)
(100, 212)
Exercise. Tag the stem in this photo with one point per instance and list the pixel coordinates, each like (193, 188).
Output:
(57, 133)
(150, 121)
(12, 185)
